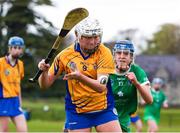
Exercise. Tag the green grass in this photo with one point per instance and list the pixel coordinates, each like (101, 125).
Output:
(53, 120)
(42, 126)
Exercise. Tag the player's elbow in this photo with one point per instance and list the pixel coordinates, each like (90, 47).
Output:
(42, 86)
(44, 83)
(101, 89)
(149, 100)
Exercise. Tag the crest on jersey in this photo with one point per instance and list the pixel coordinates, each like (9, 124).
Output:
(72, 66)
(6, 72)
(95, 66)
(120, 94)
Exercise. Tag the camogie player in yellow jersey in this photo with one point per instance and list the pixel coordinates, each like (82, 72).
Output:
(87, 64)
(11, 73)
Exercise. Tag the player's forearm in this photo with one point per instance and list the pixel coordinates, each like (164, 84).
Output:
(92, 83)
(145, 92)
(44, 81)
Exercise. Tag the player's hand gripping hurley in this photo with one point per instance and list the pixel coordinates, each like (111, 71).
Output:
(71, 19)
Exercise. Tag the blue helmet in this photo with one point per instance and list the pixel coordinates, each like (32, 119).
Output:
(157, 81)
(16, 41)
(123, 45)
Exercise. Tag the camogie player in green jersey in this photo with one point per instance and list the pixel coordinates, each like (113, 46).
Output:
(152, 112)
(128, 79)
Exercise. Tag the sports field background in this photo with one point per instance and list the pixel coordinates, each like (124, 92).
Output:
(53, 119)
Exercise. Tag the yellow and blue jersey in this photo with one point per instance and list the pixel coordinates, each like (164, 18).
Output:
(80, 98)
(10, 78)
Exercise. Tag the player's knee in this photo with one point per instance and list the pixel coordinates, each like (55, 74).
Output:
(22, 128)
(4, 129)
(140, 127)
(153, 128)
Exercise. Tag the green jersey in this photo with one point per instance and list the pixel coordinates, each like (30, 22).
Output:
(152, 111)
(125, 94)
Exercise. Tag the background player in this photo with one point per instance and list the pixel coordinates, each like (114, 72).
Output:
(152, 112)
(11, 74)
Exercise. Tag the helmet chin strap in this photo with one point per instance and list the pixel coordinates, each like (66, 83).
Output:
(90, 51)
(122, 71)
(16, 57)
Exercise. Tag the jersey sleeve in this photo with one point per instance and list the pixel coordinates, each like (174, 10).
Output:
(141, 76)
(20, 68)
(105, 62)
(57, 66)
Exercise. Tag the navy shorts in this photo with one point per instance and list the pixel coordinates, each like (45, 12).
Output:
(10, 107)
(134, 119)
(88, 120)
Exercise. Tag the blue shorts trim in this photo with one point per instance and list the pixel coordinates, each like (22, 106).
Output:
(88, 120)
(10, 107)
(134, 119)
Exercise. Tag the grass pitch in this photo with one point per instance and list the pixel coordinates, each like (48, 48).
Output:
(53, 119)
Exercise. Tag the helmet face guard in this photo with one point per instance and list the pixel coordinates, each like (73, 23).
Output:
(89, 28)
(16, 41)
(90, 51)
(158, 81)
(124, 47)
